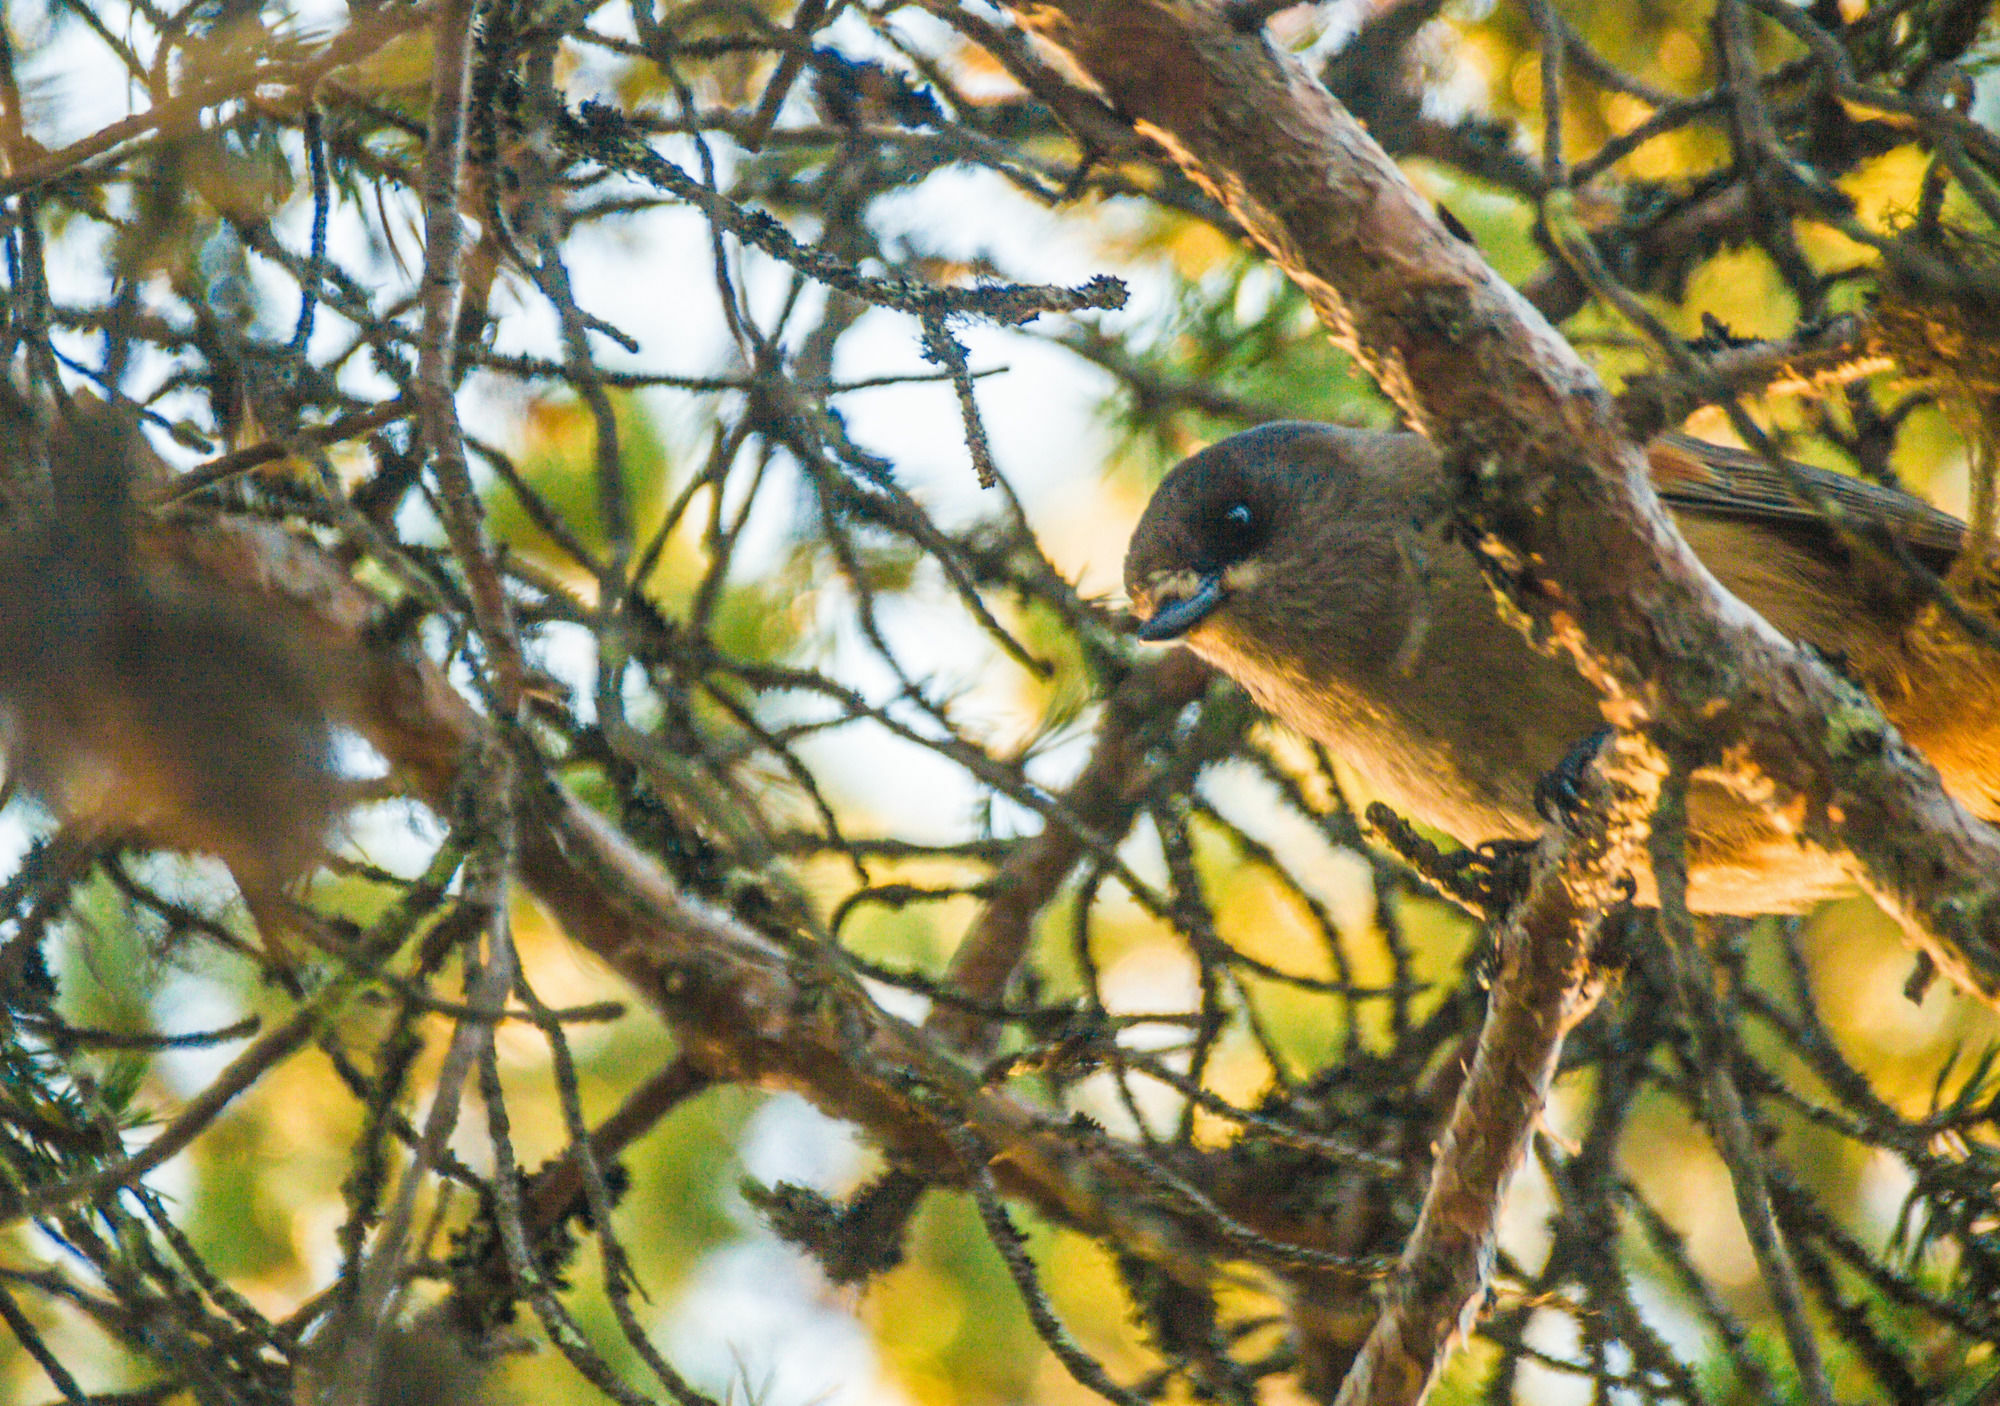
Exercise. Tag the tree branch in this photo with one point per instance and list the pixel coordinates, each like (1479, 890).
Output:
(1547, 472)
(747, 1007)
(1542, 988)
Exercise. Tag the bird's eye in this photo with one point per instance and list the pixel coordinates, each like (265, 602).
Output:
(1239, 531)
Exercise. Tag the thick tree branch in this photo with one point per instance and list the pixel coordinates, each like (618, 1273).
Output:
(1572, 527)
(1570, 521)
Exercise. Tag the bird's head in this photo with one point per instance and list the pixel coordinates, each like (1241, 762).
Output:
(1284, 529)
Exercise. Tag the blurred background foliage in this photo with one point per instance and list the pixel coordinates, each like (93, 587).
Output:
(826, 713)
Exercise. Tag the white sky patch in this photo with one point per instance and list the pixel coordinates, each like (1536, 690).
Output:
(757, 1324)
(186, 1004)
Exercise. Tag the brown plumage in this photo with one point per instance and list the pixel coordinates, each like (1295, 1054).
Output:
(1316, 566)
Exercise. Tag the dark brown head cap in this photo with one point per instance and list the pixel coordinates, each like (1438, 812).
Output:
(1223, 516)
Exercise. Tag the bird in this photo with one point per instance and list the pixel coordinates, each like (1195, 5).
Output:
(1322, 568)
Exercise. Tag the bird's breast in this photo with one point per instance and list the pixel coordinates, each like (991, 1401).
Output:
(1475, 788)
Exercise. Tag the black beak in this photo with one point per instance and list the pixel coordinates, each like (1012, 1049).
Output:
(1174, 618)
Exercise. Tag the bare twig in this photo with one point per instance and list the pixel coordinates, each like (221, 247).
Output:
(437, 370)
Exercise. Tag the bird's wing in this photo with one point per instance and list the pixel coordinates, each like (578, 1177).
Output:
(1696, 476)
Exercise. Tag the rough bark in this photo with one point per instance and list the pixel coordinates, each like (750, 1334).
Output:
(1572, 524)
(1575, 534)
